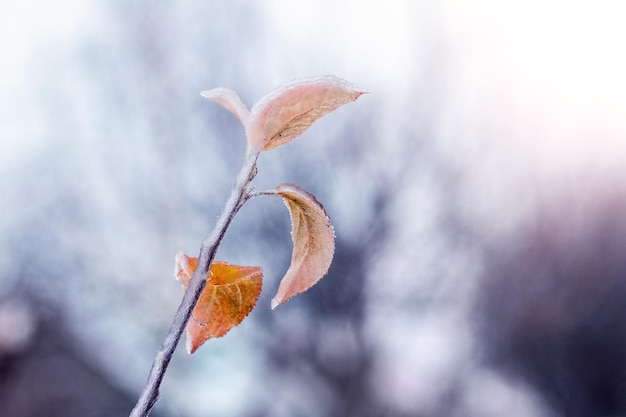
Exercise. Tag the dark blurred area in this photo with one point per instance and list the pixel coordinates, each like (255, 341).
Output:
(553, 302)
(477, 196)
(44, 371)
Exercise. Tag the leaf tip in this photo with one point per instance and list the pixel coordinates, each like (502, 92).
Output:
(183, 268)
(190, 346)
(360, 92)
(230, 100)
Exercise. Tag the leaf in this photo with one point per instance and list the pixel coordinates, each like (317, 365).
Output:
(230, 294)
(286, 112)
(230, 100)
(313, 242)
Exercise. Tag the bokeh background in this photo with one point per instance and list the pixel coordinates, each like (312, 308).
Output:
(478, 195)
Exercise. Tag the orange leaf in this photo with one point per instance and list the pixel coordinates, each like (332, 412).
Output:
(286, 112)
(230, 294)
(313, 243)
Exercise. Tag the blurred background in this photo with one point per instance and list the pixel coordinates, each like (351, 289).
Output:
(478, 195)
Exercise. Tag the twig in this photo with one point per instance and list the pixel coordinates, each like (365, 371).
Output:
(238, 197)
(254, 194)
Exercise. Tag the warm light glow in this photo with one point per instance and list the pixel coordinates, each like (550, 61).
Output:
(546, 76)
(551, 75)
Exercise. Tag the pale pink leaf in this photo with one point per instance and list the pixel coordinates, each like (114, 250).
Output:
(230, 100)
(286, 112)
(313, 242)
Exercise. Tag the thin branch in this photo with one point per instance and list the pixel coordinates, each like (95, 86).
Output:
(254, 194)
(238, 197)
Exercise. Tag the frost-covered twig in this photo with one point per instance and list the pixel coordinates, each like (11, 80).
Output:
(238, 196)
(275, 120)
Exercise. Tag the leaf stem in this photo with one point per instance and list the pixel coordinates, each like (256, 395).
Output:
(239, 195)
(254, 194)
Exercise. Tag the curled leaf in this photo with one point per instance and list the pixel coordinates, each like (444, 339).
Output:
(230, 294)
(230, 100)
(313, 242)
(286, 112)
